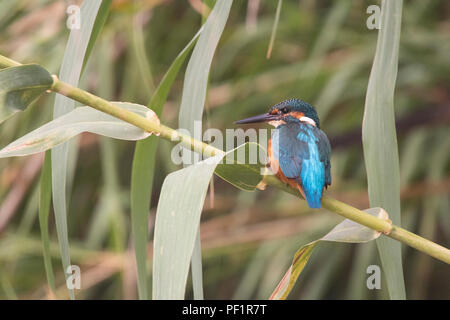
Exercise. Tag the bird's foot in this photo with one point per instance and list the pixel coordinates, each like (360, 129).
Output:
(262, 185)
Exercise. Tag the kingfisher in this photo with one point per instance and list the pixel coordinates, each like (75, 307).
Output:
(298, 150)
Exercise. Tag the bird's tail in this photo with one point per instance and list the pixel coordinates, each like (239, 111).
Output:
(314, 201)
(312, 198)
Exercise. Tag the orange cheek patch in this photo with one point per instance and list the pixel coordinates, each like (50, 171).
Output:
(297, 114)
(274, 111)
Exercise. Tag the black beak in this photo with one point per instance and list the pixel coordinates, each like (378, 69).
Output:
(266, 117)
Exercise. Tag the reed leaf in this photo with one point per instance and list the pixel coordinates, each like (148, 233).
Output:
(143, 171)
(347, 231)
(75, 57)
(20, 86)
(45, 197)
(274, 29)
(194, 95)
(176, 227)
(81, 119)
(177, 223)
(380, 141)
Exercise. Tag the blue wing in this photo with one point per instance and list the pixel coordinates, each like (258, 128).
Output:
(303, 152)
(325, 153)
(289, 151)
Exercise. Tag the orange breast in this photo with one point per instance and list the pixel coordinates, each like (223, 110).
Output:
(275, 167)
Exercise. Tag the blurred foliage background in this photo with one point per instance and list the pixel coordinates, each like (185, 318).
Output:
(322, 53)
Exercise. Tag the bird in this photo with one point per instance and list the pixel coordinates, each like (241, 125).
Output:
(298, 150)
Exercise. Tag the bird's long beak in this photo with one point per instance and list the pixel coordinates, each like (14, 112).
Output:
(266, 117)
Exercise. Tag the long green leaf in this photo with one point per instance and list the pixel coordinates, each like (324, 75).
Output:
(20, 86)
(196, 79)
(194, 95)
(100, 21)
(44, 212)
(274, 29)
(79, 120)
(176, 227)
(138, 46)
(346, 231)
(380, 141)
(177, 224)
(74, 58)
(243, 174)
(143, 171)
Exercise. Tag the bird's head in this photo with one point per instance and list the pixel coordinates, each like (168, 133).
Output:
(292, 110)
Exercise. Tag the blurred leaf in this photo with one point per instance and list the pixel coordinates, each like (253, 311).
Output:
(206, 9)
(20, 86)
(194, 95)
(380, 141)
(274, 29)
(242, 174)
(333, 23)
(160, 96)
(138, 46)
(339, 82)
(81, 119)
(346, 231)
(143, 172)
(255, 269)
(100, 20)
(44, 212)
(413, 148)
(75, 56)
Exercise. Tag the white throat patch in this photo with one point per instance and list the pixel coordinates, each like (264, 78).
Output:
(276, 123)
(308, 120)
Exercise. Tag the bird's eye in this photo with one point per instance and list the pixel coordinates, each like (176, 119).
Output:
(285, 110)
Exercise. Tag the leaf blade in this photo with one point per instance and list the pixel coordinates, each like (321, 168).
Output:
(346, 231)
(176, 227)
(380, 141)
(239, 171)
(274, 29)
(142, 172)
(20, 86)
(45, 196)
(194, 92)
(75, 56)
(81, 119)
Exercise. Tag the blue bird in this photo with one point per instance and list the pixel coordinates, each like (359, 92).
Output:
(299, 152)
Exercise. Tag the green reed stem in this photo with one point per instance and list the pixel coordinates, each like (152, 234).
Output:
(343, 209)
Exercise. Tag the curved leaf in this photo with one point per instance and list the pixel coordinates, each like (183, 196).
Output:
(143, 170)
(81, 119)
(176, 226)
(194, 95)
(274, 29)
(80, 42)
(45, 197)
(380, 141)
(242, 174)
(20, 86)
(346, 231)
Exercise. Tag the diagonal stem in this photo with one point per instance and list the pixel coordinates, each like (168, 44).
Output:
(345, 210)
(386, 227)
